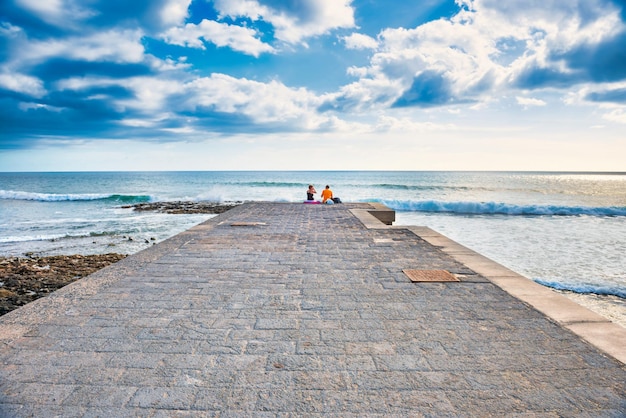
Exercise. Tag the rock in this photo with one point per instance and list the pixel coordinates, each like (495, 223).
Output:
(26, 279)
(184, 207)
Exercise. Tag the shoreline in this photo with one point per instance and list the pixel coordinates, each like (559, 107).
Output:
(25, 279)
(183, 207)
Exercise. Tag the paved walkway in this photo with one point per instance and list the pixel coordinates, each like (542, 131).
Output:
(298, 310)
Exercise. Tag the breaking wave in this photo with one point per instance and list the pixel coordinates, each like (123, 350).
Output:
(54, 197)
(496, 208)
(585, 288)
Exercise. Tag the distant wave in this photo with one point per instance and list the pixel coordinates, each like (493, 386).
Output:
(391, 186)
(57, 237)
(585, 288)
(27, 238)
(268, 184)
(54, 197)
(495, 208)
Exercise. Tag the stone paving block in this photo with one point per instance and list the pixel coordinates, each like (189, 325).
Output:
(401, 362)
(100, 396)
(211, 399)
(103, 412)
(42, 394)
(164, 397)
(279, 320)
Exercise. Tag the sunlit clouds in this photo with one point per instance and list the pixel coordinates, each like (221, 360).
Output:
(421, 77)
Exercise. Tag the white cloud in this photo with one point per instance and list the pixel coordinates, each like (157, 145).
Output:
(42, 8)
(149, 96)
(263, 102)
(407, 125)
(62, 13)
(111, 46)
(30, 105)
(115, 46)
(360, 41)
(295, 21)
(478, 55)
(164, 99)
(174, 12)
(80, 83)
(8, 29)
(357, 71)
(221, 34)
(529, 101)
(457, 52)
(21, 83)
(546, 28)
(616, 115)
(367, 93)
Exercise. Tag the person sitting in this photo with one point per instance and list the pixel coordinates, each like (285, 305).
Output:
(327, 194)
(310, 192)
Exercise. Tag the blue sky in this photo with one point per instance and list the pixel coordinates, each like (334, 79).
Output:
(312, 84)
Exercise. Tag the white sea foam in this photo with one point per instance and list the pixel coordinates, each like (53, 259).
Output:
(27, 238)
(65, 197)
(500, 208)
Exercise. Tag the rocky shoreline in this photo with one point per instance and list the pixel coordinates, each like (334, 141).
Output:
(184, 207)
(22, 280)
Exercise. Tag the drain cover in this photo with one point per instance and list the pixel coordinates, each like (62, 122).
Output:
(247, 223)
(430, 276)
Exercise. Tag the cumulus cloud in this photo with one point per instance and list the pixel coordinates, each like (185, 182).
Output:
(438, 63)
(290, 22)
(57, 12)
(489, 48)
(293, 21)
(221, 34)
(271, 102)
(114, 46)
(211, 102)
(174, 12)
(113, 63)
(360, 41)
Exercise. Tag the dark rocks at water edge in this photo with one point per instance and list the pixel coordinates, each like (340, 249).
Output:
(184, 207)
(22, 280)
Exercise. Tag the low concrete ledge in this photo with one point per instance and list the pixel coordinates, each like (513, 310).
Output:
(594, 328)
(383, 213)
(368, 220)
(377, 216)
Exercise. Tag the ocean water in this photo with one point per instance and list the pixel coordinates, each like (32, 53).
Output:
(563, 230)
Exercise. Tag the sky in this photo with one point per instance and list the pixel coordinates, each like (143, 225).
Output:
(88, 85)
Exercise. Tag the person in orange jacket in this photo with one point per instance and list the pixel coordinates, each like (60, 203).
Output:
(327, 194)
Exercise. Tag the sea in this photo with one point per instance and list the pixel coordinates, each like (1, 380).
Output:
(564, 230)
